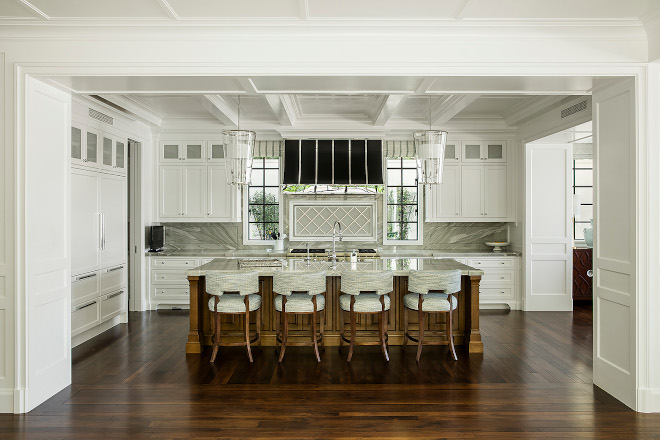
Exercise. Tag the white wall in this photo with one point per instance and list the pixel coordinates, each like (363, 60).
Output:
(264, 50)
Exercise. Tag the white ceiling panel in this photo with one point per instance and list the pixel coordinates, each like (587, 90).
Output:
(337, 105)
(329, 84)
(152, 84)
(174, 106)
(489, 106)
(384, 9)
(253, 107)
(227, 9)
(127, 9)
(557, 9)
(11, 9)
(533, 85)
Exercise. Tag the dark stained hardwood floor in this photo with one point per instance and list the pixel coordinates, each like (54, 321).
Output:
(533, 381)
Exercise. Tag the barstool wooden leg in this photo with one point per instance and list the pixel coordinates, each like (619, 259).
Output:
(381, 327)
(353, 330)
(341, 329)
(450, 335)
(421, 333)
(216, 336)
(247, 329)
(321, 325)
(285, 334)
(405, 327)
(259, 327)
(316, 347)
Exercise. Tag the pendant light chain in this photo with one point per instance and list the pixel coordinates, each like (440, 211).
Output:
(238, 118)
(429, 113)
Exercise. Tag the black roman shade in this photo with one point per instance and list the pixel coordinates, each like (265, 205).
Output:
(333, 161)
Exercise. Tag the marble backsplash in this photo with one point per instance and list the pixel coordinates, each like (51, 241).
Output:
(229, 236)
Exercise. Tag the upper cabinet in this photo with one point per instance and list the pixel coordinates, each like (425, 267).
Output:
(189, 151)
(113, 154)
(92, 148)
(476, 185)
(215, 151)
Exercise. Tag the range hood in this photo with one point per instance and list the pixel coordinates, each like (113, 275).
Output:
(333, 162)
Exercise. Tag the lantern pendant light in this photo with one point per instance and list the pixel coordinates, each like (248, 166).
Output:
(430, 153)
(238, 147)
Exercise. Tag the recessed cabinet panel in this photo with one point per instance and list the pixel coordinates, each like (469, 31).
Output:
(194, 151)
(472, 186)
(85, 221)
(495, 191)
(76, 143)
(452, 153)
(495, 151)
(92, 147)
(120, 155)
(472, 152)
(219, 194)
(107, 152)
(113, 227)
(169, 151)
(170, 191)
(216, 151)
(194, 191)
(444, 200)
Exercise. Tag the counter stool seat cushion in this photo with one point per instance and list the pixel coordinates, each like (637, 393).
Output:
(364, 303)
(234, 303)
(300, 303)
(432, 302)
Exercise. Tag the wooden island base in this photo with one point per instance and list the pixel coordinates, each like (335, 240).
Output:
(466, 318)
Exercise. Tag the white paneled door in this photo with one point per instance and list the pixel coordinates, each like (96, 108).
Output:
(548, 231)
(113, 220)
(614, 241)
(47, 242)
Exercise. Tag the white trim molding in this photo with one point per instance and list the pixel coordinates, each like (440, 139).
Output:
(313, 220)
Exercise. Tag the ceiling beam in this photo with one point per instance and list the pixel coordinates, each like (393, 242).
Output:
(530, 108)
(169, 10)
(34, 9)
(463, 9)
(424, 86)
(223, 110)
(248, 86)
(135, 107)
(276, 104)
(303, 8)
(388, 107)
(452, 106)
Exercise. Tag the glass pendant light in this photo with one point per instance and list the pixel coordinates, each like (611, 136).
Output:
(238, 146)
(430, 153)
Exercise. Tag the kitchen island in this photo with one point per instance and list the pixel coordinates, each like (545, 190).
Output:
(466, 322)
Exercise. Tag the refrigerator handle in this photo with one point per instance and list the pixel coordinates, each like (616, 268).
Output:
(100, 231)
(103, 232)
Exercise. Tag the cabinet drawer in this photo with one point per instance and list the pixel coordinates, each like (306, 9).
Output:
(113, 278)
(495, 276)
(84, 287)
(172, 292)
(169, 277)
(492, 262)
(84, 316)
(496, 293)
(113, 304)
(174, 263)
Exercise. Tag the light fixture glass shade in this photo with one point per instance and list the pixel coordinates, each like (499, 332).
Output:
(430, 147)
(238, 147)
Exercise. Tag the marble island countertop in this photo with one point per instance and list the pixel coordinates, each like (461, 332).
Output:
(400, 266)
(384, 253)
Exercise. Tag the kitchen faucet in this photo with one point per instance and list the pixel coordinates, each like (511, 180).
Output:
(334, 228)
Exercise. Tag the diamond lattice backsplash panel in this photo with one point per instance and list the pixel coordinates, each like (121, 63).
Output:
(358, 221)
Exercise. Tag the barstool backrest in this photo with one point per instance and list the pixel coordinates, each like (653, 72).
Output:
(423, 281)
(378, 281)
(220, 282)
(286, 283)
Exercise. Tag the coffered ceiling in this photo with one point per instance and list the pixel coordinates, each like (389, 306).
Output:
(302, 10)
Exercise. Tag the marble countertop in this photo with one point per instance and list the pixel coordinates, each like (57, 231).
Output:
(385, 253)
(400, 266)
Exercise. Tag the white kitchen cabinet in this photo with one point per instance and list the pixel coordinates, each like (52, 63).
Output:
(223, 200)
(452, 153)
(113, 154)
(484, 192)
(472, 191)
(495, 192)
(500, 282)
(484, 151)
(189, 151)
(215, 151)
(168, 283)
(85, 221)
(170, 192)
(85, 146)
(444, 200)
(113, 220)
(194, 192)
(182, 192)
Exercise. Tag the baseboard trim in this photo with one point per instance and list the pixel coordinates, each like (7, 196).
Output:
(7, 401)
(648, 400)
(95, 331)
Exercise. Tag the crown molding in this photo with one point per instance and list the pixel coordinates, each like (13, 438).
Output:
(142, 111)
(530, 108)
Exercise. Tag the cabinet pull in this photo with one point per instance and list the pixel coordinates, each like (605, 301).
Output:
(115, 294)
(115, 268)
(84, 277)
(85, 306)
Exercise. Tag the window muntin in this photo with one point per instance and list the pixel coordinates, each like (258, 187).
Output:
(402, 194)
(583, 191)
(263, 200)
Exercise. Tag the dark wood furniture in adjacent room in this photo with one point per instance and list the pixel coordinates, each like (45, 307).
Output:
(582, 282)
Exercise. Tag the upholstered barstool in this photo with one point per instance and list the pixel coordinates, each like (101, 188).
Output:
(234, 293)
(299, 293)
(365, 293)
(431, 292)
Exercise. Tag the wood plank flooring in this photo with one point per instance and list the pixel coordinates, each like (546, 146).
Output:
(533, 381)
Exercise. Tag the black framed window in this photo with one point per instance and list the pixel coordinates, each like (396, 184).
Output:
(583, 196)
(402, 193)
(263, 198)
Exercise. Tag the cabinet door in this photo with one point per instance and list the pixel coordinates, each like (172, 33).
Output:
(472, 187)
(495, 191)
(107, 152)
(114, 242)
(472, 151)
(215, 151)
(170, 151)
(170, 192)
(85, 221)
(452, 153)
(194, 151)
(76, 144)
(92, 140)
(445, 199)
(120, 155)
(219, 194)
(494, 151)
(194, 192)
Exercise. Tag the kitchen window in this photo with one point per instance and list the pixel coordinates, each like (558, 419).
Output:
(583, 196)
(263, 201)
(402, 208)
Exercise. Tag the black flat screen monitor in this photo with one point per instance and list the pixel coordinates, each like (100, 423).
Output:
(157, 238)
